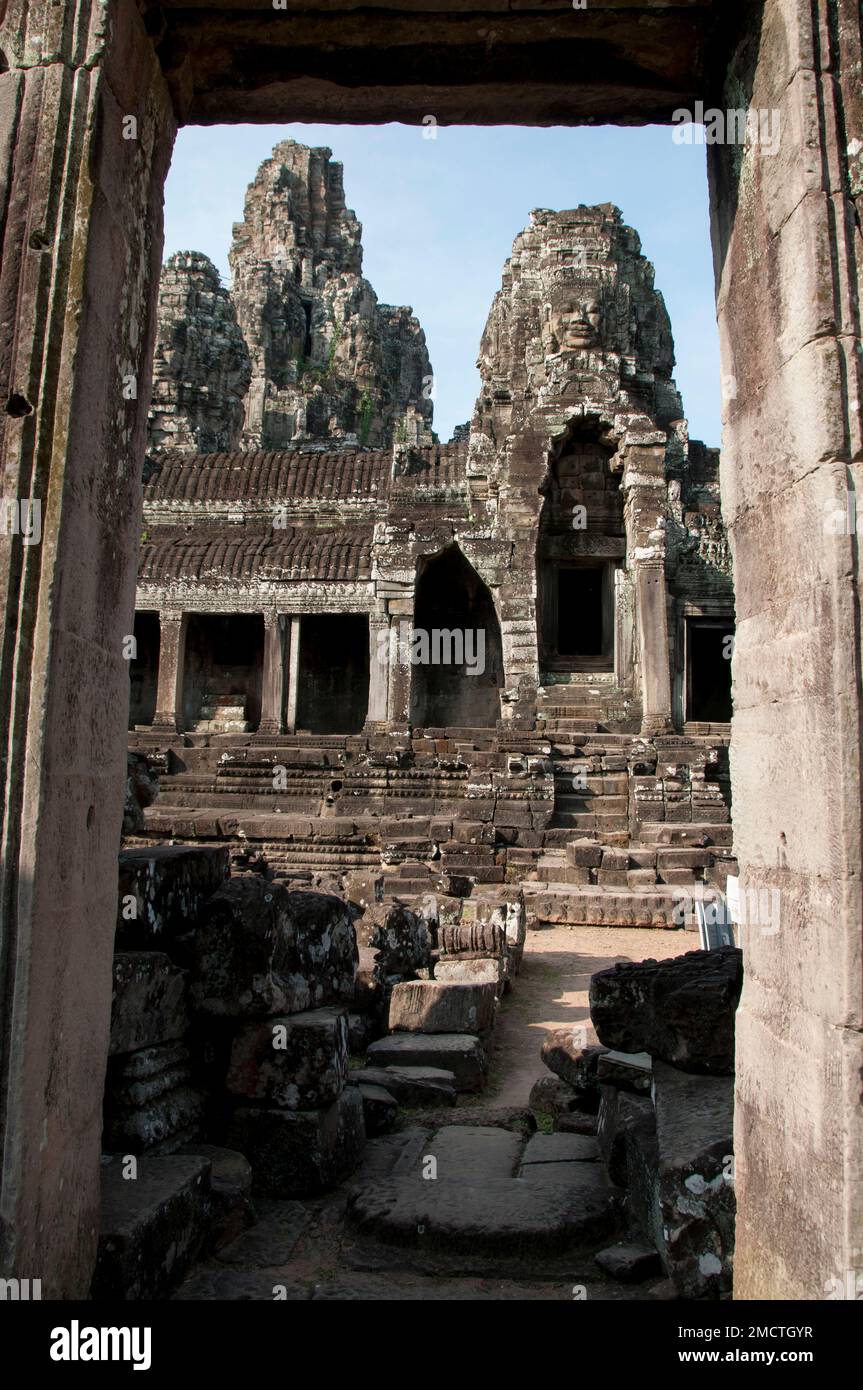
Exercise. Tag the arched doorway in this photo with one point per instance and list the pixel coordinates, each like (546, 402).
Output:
(455, 647)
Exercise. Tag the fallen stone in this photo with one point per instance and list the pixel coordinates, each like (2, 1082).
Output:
(362, 1030)
(261, 949)
(564, 1053)
(630, 1264)
(300, 1153)
(631, 1071)
(695, 1168)
(152, 1226)
(551, 1096)
(401, 940)
(576, 1122)
(229, 1198)
(162, 890)
(411, 1086)
(297, 1061)
(148, 1003)
(681, 1010)
(432, 1006)
(473, 939)
(380, 1109)
(454, 971)
(626, 1129)
(161, 1125)
(458, 1053)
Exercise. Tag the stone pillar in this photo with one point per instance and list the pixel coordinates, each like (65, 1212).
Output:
(788, 252)
(293, 674)
(379, 668)
(273, 685)
(400, 669)
(644, 512)
(81, 231)
(651, 612)
(168, 718)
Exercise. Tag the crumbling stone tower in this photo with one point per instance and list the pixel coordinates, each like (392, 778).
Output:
(578, 436)
(300, 349)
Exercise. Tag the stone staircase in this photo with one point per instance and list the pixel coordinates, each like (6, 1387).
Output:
(572, 814)
(222, 714)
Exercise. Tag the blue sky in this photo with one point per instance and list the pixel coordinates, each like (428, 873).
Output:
(439, 217)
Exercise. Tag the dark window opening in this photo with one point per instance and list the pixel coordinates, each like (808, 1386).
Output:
(223, 672)
(333, 695)
(709, 671)
(579, 612)
(144, 669)
(307, 344)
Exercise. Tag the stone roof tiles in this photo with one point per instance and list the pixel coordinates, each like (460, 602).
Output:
(224, 556)
(338, 475)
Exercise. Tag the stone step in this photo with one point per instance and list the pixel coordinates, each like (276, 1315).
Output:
(459, 1053)
(599, 804)
(455, 1191)
(586, 820)
(152, 1229)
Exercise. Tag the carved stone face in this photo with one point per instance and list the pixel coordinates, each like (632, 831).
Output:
(577, 322)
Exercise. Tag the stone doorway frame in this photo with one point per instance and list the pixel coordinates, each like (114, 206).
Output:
(90, 97)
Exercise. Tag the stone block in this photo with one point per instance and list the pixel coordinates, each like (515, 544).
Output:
(679, 1010)
(298, 1061)
(551, 1096)
(380, 1109)
(434, 1006)
(694, 1137)
(300, 1153)
(630, 1263)
(151, 1105)
(631, 1071)
(362, 1029)
(473, 939)
(148, 1003)
(261, 949)
(410, 1086)
(401, 940)
(458, 1053)
(152, 1226)
(453, 970)
(564, 1053)
(229, 1197)
(162, 891)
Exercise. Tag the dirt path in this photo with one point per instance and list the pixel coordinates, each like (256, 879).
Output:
(551, 992)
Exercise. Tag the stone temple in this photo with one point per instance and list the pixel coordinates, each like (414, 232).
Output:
(499, 661)
(141, 1022)
(395, 703)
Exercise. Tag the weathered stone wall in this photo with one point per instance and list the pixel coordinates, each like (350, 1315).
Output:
(788, 251)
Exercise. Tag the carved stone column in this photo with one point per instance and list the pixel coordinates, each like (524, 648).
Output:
(644, 512)
(86, 130)
(293, 674)
(379, 668)
(172, 660)
(273, 686)
(400, 669)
